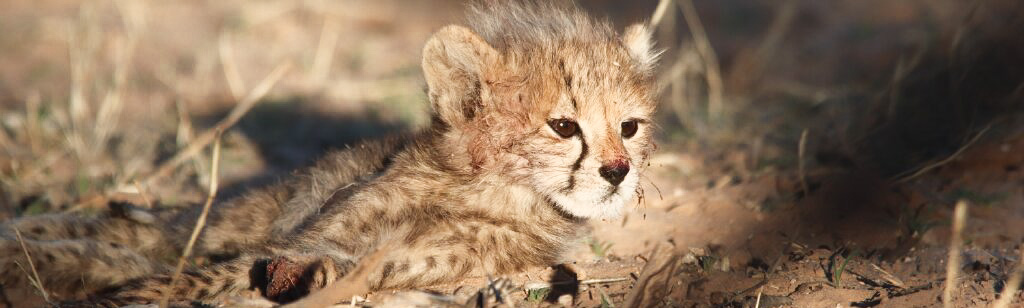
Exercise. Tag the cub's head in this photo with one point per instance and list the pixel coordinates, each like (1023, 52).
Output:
(549, 98)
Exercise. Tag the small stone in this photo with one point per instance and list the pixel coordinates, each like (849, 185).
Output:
(565, 300)
(689, 258)
(697, 251)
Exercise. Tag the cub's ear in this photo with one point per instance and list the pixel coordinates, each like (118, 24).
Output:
(453, 63)
(637, 39)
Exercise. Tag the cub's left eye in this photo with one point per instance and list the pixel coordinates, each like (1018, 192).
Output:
(629, 128)
(564, 127)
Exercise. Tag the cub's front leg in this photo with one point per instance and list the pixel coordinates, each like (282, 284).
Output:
(292, 277)
(429, 256)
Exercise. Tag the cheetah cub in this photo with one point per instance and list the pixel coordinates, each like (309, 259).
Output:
(541, 120)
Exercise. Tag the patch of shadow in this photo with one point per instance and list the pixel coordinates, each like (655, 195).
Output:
(868, 146)
(292, 133)
(947, 97)
(564, 281)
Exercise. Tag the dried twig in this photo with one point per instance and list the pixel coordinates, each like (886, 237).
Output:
(711, 70)
(354, 283)
(890, 278)
(184, 135)
(206, 137)
(143, 194)
(760, 291)
(953, 264)
(660, 263)
(109, 112)
(801, 150)
(325, 50)
(903, 178)
(35, 274)
(659, 13)
(185, 132)
(1012, 285)
(682, 93)
(899, 75)
(201, 222)
(33, 130)
(542, 285)
(78, 107)
(748, 67)
(227, 62)
(5, 140)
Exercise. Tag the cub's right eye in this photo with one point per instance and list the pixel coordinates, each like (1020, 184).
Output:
(564, 127)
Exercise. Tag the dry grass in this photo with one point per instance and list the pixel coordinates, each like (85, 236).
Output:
(103, 127)
(757, 303)
(325, 48)
(889, 277)
(955, 249)
(709, 57)
(34, 279)
(659, 13)
(204, 139)
(910, 175)
(655, 278)
(230, 66)
(1012, 284)
(802, 161)
(201, 221)
(142, 193)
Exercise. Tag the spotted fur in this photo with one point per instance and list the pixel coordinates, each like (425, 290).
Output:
(489, 188)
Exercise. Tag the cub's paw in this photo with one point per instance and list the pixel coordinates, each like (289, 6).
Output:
(291, 278)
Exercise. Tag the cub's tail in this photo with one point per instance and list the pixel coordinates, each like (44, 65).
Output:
(207, 284)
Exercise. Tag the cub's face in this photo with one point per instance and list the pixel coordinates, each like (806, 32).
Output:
(572, 121)
(588, 151)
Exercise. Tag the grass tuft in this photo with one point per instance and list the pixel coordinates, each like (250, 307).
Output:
(839, 268)
(606, 302)
(537, 295)
(599, 248)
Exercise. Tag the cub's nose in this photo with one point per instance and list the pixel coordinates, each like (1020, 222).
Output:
(614, 172)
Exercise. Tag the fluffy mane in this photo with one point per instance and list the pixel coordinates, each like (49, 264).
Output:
(529, 24)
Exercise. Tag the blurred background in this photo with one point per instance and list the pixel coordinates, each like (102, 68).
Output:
(794, 135)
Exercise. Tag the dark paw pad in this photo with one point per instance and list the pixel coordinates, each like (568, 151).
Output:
(283, 279)
(289, 279)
